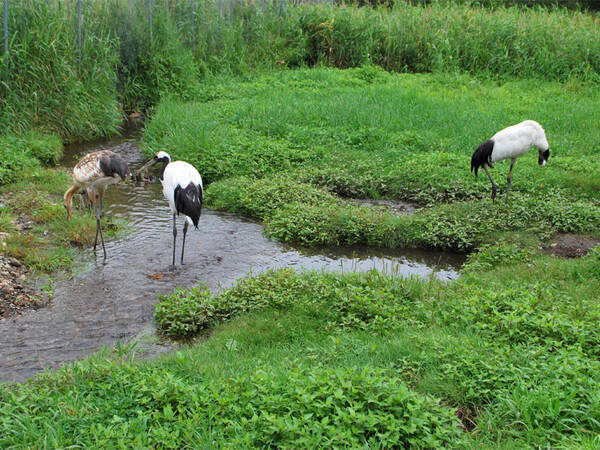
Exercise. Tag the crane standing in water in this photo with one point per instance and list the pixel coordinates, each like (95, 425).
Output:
(182, 188)
(94, 173)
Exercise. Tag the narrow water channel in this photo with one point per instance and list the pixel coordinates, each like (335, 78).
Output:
(113, 300)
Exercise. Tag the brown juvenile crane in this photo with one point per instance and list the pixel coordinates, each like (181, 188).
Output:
(94, 173)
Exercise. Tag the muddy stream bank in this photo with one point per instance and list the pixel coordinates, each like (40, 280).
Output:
(106, 302)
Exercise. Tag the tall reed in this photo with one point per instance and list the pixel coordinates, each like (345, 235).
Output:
(44, 84)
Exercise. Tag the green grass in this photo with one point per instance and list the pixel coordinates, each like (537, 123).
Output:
(284, 147)
(438, 37)
(22, 153)
(44, 85)
(52, 241)
(505, 357)
(392, 135)
(321, 359)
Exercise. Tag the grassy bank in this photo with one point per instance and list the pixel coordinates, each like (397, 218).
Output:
(315, 359)
(287, 148)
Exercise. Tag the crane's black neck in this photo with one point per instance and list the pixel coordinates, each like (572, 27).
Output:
(161, 175)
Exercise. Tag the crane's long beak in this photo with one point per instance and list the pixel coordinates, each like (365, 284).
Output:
(144, 167)
(543, 158)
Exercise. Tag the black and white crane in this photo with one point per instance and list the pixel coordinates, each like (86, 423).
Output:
(510, 143)
(94, 173)
(182, 187)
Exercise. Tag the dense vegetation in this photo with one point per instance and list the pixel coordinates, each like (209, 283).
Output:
(507, 356)
(42, 85)
(46, 85)
(288, 148)
(592, 5)
(306, 359)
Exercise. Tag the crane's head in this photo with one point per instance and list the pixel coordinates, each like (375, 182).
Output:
(162, 157)
(159, 157)
(543, 157)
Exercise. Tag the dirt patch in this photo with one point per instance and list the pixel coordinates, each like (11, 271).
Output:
(395, 207)
(468, 417)
(16, 295)
(568, 245)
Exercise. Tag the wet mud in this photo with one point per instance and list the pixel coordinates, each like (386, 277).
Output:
(16, 293)
(112, 300)
(570, 245)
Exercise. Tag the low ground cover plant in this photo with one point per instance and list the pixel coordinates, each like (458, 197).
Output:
(290, 157)
(304, 358)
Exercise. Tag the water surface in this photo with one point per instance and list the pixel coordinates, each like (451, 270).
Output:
(112, 300)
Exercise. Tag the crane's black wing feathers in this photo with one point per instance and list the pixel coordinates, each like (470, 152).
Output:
(482, 156)
(188, 201)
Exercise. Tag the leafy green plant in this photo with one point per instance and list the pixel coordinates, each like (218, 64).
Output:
(183, 313)
(489, 256)
(344, 407)
(353, 302)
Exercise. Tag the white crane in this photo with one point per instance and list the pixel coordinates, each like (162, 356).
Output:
(510, 143)
(182, 187)
(94, 173)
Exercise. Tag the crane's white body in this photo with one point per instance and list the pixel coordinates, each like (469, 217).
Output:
(178, 173)
(182, 187)
(516, 140)
(510, 143)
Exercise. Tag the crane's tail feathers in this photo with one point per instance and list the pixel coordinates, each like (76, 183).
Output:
(482, 156)
(188, 201)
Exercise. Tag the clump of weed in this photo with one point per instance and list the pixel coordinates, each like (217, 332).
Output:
(354, 407)
(356, 301)
(183, 313)
(260, 198)
(489, 256)
(288, 407)
(20, 154)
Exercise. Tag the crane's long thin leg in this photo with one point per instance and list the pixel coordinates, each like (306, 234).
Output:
(98, 221)
(174, 238)
(185, 228)
(97, 225)
(509, 178)
(494, 187)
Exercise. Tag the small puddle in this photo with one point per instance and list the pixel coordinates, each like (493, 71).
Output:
(104, 303)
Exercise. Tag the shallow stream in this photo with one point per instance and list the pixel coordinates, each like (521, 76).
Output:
(105, 302)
